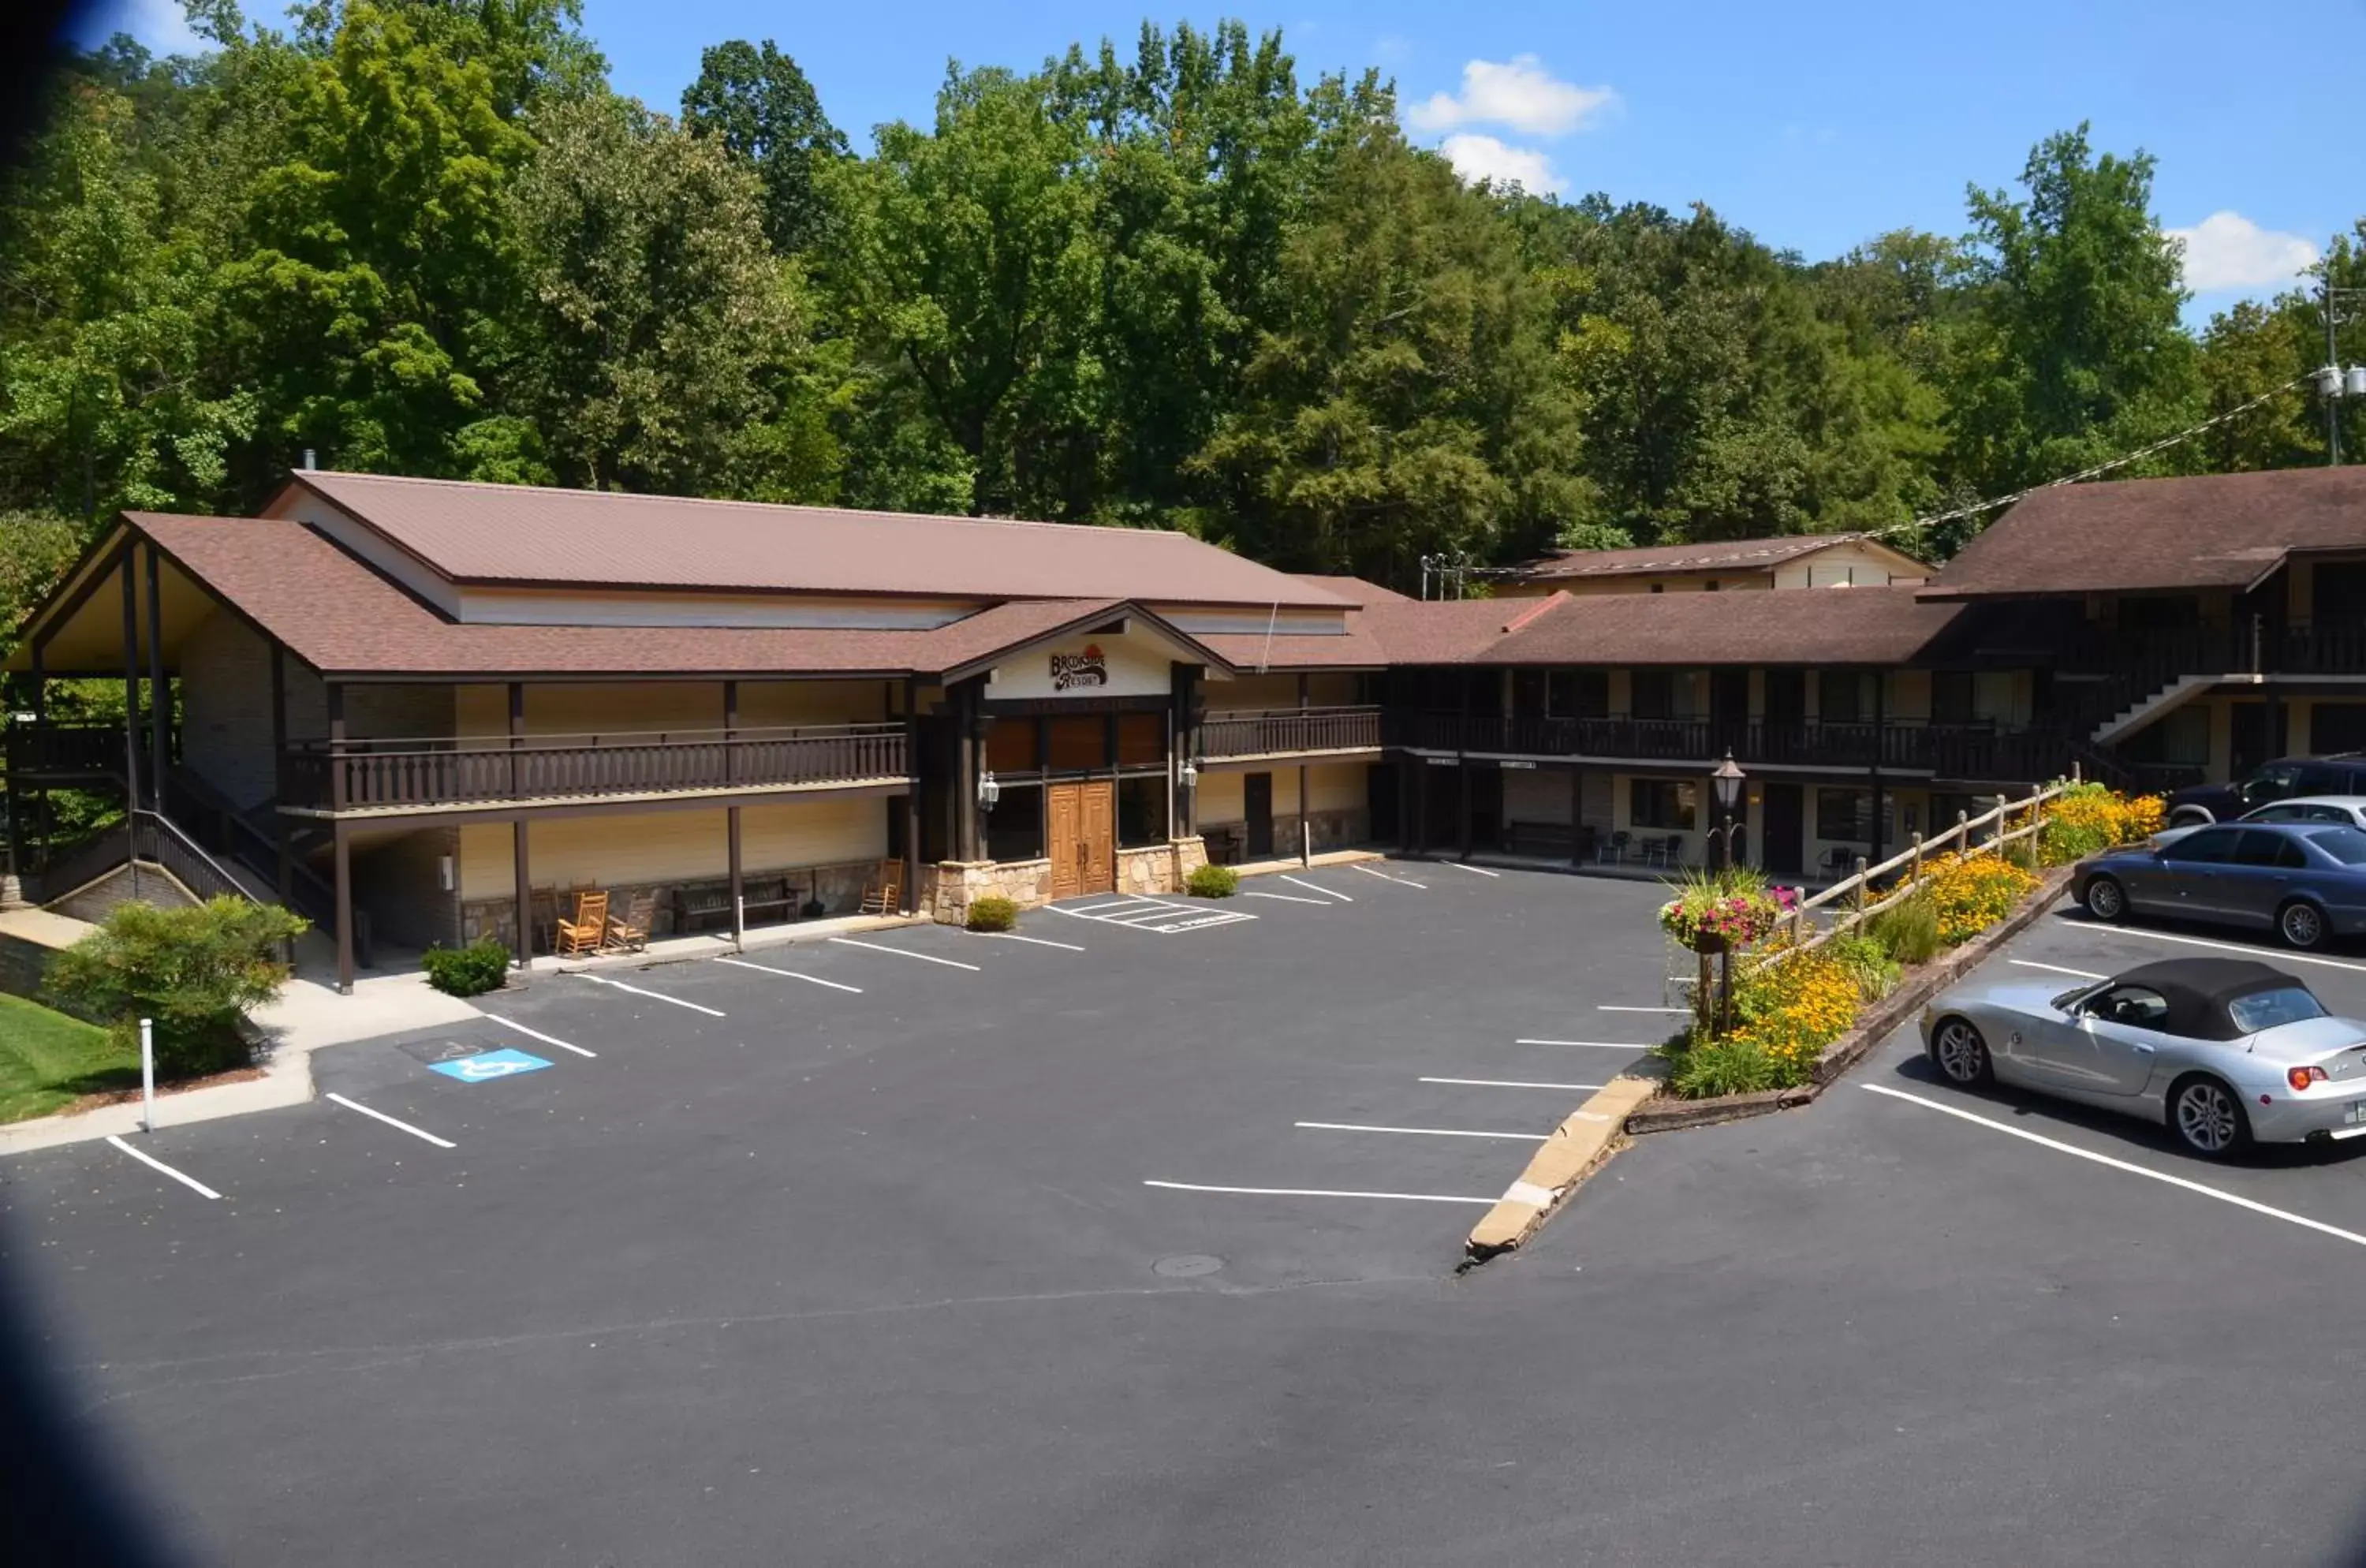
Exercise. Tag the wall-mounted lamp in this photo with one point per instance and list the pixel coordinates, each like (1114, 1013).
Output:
(989, 790)
(1186, 775)
(443, 873)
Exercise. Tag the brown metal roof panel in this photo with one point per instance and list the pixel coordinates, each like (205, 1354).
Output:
(1739, 554)
(518, 533)
(1801, 626)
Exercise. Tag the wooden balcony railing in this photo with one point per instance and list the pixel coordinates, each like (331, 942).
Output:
(69, 750)
(1282, 731)
(383, 774)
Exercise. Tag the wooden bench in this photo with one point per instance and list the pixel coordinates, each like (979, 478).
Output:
(759, 895)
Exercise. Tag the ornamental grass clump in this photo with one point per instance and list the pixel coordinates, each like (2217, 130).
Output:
(1731, 906)
(1972, 893)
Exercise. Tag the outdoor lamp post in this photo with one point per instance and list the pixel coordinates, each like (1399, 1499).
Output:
(1727, 779)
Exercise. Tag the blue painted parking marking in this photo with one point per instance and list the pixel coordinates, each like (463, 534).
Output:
(502, 1064)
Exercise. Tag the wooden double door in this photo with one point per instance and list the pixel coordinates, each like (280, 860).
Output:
(1081, 834)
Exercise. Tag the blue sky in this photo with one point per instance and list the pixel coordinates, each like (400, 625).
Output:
(1815, 126)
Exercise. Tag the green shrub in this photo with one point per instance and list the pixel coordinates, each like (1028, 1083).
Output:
(992, 913)
(1867, 963)
(1736, 1065)
(1907, 931)
(1212, 882)
(471, 971)
(195, 971)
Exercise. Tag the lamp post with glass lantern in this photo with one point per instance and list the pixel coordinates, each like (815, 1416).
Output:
(1727, 781)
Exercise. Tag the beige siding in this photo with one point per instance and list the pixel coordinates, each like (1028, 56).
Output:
(1910, 695)
(1862, 566)
(603, 707)
(1219, 798)
(670, 846)
(1536, 795)
(1335, 786)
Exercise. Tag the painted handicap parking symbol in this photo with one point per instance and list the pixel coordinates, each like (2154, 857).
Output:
(502, 1064)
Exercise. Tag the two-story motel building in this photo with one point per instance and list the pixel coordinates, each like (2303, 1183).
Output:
(415, 707)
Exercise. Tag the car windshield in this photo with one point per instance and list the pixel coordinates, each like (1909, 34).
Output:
(2347, 845)
(2266, 1010)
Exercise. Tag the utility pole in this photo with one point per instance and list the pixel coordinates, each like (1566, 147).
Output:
(2333, 381)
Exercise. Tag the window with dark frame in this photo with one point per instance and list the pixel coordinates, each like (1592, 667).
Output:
(1077, 743)
(1951, 696)
(1841, 697)
(1140, 811)
(1014, 828)
(1141, 741)
(1844, 816)
(1653, 693)
(1662, 803)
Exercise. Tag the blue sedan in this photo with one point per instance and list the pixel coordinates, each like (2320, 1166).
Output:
(2304, 881)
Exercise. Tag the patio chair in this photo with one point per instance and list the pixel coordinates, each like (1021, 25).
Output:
(1838, 862)
(884, 894)
(1613, 849)
(588, 930)
(1660, 852)
(631, 935)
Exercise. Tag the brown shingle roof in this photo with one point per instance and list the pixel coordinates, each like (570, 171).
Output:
(343, 618)
(518, 533)
(2211, 531)
(1355, 590)
(1755, 554)
(1805, 625)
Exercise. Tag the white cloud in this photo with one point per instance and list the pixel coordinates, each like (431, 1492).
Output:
(2228, 250)
(1518, 93)
(162, 25)
(1476, 157)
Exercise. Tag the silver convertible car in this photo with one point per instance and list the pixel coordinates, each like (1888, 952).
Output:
(2222, 1051)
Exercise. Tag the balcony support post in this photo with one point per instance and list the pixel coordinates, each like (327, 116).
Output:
(911, 807)
(522, 875)
(336, 700)
(340, 836)
(160, 703)
(131, 684)
(1305, 826)
(286, 879)
(1462, 773)
(966, 749)
(517, 737)
(1184, 695)
(730, 729)
(1880, 744)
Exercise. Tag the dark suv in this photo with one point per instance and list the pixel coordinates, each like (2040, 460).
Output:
(2344, 772)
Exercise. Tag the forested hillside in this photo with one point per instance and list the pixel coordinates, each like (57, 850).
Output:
(1169, 282)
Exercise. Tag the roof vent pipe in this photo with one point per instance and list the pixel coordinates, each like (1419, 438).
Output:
(308, 459)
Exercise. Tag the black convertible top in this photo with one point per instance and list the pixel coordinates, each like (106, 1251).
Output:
(2198, 989)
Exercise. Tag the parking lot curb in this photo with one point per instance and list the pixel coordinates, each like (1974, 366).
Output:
(1874, 1025)
(1584, 1141)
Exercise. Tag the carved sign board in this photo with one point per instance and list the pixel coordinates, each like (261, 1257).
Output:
(1079, 671)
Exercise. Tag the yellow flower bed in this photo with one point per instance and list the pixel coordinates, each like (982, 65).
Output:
(1974, 892)
(2091, 818)
(1796, 1009)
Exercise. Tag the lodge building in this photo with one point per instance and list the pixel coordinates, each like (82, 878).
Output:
(413, 709)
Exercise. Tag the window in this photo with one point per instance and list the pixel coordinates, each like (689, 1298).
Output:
(1014, 828)
(2211, 846)
(1010, 746)
(1079, 744)
(1140, 811)
(1529, 694)
(2347, 846)
(1578, 693)
(1842, 696)
(1142, 741)
(2137, 1006)
(2266, 1009)
(2267, 849)
(1669, 802)
(1654, 693)
(1844, 816)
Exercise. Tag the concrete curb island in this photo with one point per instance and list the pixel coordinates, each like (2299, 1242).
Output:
(1629, 1106)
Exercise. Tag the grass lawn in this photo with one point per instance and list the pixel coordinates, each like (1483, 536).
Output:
(47, 1060)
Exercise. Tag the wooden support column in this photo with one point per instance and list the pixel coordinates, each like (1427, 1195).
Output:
(1576, 814)
(130, 682)
(336, 693)
(911, 905)
(41, 723)
(1305, 824)
(1880, 736)
(1462, 773)
(160, 699)
(282, 824)
(523, 875)
(964, 696)
(1184, 698)
(344, 888)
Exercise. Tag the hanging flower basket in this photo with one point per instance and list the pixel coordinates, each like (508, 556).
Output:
(1725, 910)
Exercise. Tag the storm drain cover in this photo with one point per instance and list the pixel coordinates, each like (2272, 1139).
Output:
(1187, 1265)
(433, 1051)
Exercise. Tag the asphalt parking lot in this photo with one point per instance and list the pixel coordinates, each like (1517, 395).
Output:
(851, 1253)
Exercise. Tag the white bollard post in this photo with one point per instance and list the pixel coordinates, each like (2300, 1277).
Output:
(147, 1074)
(1306, 843)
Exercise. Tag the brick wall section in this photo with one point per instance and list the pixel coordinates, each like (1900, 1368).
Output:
(401, 884)
(840, 889)
(948, 889)
(226, 709)
(21, 963)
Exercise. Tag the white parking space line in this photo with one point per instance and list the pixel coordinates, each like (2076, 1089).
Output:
(653, 996)
(1510, 1083)
(1384, 876)
(1161, 917)
(1287, 899)
(1593, 1044)
(905, 952)
(2132, 1169)
(1614, 1007)
(1319, 1193)
(2270, 954)
(538, 1034)
(790, 974)
(1033, 940)
(191, 1182)
(2057, 969)
(420, 1133)
(1473, 870)
(1316, 887)
(1421, 1132)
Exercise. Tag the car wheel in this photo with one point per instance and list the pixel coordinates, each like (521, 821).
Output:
(1960, 1052)
(2300, 924)
(2209, 1119)
(2106, 900)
